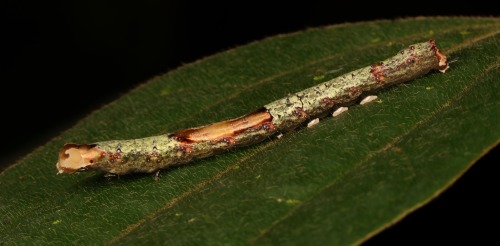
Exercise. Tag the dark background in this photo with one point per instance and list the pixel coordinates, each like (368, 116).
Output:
(101, 50)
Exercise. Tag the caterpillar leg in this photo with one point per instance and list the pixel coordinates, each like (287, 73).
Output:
(111, 175)
(313, 122)
(368, 99)
(339, 111)
(157, 176)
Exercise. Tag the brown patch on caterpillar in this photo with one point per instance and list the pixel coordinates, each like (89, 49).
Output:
(327, 102)
(353, 90)
(228, 140)
(443, 65)
(225, 129)
(152, 157)
(185, 148)
(269, 126)
(112, 157)
(78, 157)
(377, 70)
(299, 113)
(411, 59)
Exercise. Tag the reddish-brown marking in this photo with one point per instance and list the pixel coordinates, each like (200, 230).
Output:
(228, 140)
(269, 126)
(114, 156)
(443, 65)
(151, 156)
(299, 113)
(433, 44)
(185, 148)
(327, 102)
(410, 60)
(377, 70)
(353, 90)
(225, 129)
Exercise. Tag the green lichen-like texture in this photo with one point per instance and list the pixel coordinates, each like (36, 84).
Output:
(338, 182)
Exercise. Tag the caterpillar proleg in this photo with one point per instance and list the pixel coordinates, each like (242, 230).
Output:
(153, 153)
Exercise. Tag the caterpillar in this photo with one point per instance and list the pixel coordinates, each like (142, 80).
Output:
(150, 154)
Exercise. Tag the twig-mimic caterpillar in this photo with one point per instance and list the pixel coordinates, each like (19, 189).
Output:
(157, 152)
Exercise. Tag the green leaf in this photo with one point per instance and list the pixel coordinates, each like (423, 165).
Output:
(339, 182)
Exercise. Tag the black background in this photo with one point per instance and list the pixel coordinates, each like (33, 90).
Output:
(101, 50)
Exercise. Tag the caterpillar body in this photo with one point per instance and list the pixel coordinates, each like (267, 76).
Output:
(153, 153)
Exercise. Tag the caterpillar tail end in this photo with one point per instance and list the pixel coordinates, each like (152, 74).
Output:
(442, 60)
(443, 64)
(78, 157)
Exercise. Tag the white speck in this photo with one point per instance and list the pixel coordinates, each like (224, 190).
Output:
(368, 99)
(313, 122)
(191, 220)
(339, 111)
(279, 135)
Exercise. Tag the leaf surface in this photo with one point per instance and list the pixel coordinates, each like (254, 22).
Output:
(339, 182)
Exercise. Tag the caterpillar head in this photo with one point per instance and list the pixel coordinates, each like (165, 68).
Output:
(78, 157)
